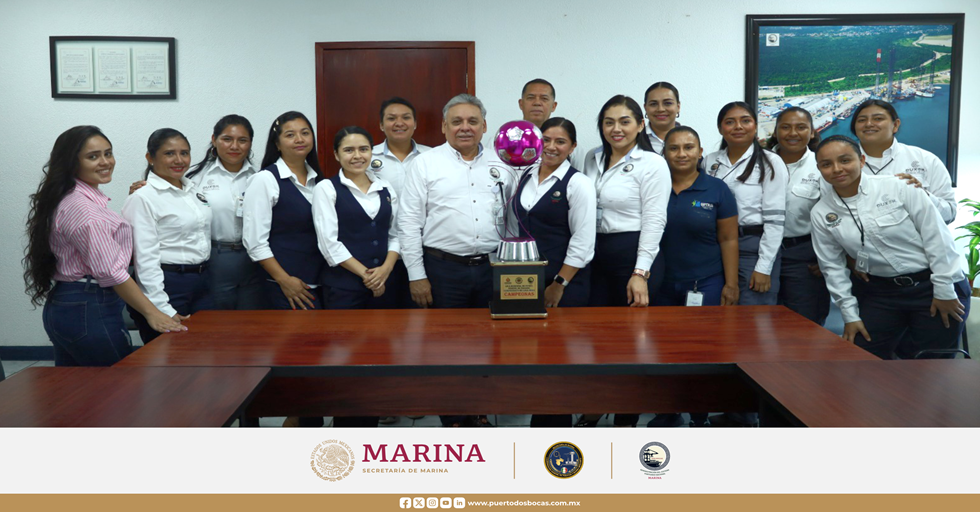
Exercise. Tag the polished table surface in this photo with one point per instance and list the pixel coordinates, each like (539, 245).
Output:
(127, 397)
(467, 341)
(459, 361)
(912, 393)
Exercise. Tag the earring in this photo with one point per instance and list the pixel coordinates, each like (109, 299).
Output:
(678, 115)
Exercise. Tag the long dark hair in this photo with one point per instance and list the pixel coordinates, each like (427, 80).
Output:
(212, 153)
(757, 152)
(156, 140)
(814, 136)
(272, 150)
(565, 124)
(634, 107)
(58, 180)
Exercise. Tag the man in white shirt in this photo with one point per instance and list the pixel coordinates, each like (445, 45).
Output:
(451, 212)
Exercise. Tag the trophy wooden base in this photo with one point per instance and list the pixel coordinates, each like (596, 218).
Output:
(518, 289)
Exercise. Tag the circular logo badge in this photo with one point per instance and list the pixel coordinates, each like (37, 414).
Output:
(654, 456)
(628, 168)
(831, 217)
(563, 460)
(375, 164)
(557, 194)
(201, 197)
(332, 460)
(494, 173)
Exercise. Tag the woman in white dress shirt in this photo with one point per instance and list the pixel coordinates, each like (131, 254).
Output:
(801, 286)
(171, 222)
(354, 214)
(758, 179)
(632, 188)
(222, 176)
(277, 227)
(875, 123)
(897, 237)
(663, 106)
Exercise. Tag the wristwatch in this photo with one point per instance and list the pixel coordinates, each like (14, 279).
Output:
(561, 280)
(645, 274)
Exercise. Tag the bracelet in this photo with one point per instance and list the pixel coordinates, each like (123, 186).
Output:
(645, 274)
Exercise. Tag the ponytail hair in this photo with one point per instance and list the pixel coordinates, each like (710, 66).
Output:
(212, 153)
(156, 140)
(758, 156)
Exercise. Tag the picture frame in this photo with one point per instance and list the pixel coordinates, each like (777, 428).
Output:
(113, 68)
(818, 62)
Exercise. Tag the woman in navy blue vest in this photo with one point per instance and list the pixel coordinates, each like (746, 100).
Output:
(555, 204)
(354, 217)
(278, 215)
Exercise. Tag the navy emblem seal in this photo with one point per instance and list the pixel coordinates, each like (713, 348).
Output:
(654, 458)
(563, 460)
(376, 164)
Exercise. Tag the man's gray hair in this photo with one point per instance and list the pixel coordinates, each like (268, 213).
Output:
(464, 99)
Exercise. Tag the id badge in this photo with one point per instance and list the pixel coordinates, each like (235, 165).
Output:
(240, 209)
(694, 299)
(598, 218)
(861, 263)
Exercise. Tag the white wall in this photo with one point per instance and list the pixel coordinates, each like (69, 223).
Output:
(256, 58)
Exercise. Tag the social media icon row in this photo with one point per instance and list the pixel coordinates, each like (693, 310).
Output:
(432, 503)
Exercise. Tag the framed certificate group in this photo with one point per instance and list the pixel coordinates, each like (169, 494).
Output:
(124, 68)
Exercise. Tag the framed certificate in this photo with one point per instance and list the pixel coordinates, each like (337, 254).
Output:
(116, 68)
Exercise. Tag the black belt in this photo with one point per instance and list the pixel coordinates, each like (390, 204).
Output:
(903, 281)
(750, 230)
(472, 261)
(184, 269)
(794, 241)
(237, 246)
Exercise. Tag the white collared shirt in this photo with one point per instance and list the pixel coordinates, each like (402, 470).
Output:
(903, 234)
(225, 191)
(802, 192)
(387, 166)
(261, 195)
(658, 145)
(923, 166)
(758, 203)
(633, 196)
(453, 205)
(170, 226)
(326, 221)
(581, 209)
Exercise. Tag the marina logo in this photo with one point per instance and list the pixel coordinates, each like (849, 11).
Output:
(332, 460)
(654, 458)
(563, 460)
(424, 453)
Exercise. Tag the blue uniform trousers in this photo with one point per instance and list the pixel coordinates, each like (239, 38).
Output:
(85, 324)
(890, 311)
(800, 290)
(188, 292)
(236, 282)
(748, 255)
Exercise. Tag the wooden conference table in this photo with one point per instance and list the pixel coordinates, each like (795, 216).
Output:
(459, 361)
(924, 393)
(127, 397)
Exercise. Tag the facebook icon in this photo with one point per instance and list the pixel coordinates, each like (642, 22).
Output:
(405, 503)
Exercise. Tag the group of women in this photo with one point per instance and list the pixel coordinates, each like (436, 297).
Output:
(648, 220)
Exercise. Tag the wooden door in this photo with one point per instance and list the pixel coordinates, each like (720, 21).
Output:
(352, 79)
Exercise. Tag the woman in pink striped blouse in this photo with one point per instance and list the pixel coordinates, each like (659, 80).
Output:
(78, 253)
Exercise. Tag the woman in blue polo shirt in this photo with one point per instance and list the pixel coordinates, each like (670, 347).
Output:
(700, 242)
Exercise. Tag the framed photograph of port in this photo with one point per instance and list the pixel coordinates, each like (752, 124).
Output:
(829, 64)
(113, 68)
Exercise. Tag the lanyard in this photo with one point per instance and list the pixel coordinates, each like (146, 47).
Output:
(734, 168)
(856, 221)
(882, 168)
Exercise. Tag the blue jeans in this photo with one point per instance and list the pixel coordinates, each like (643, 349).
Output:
(85, 324)
(235, 280)
(800, 290)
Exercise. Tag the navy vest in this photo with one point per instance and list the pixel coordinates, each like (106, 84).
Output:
(547, 222)
(293, 237)
(364, 237)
